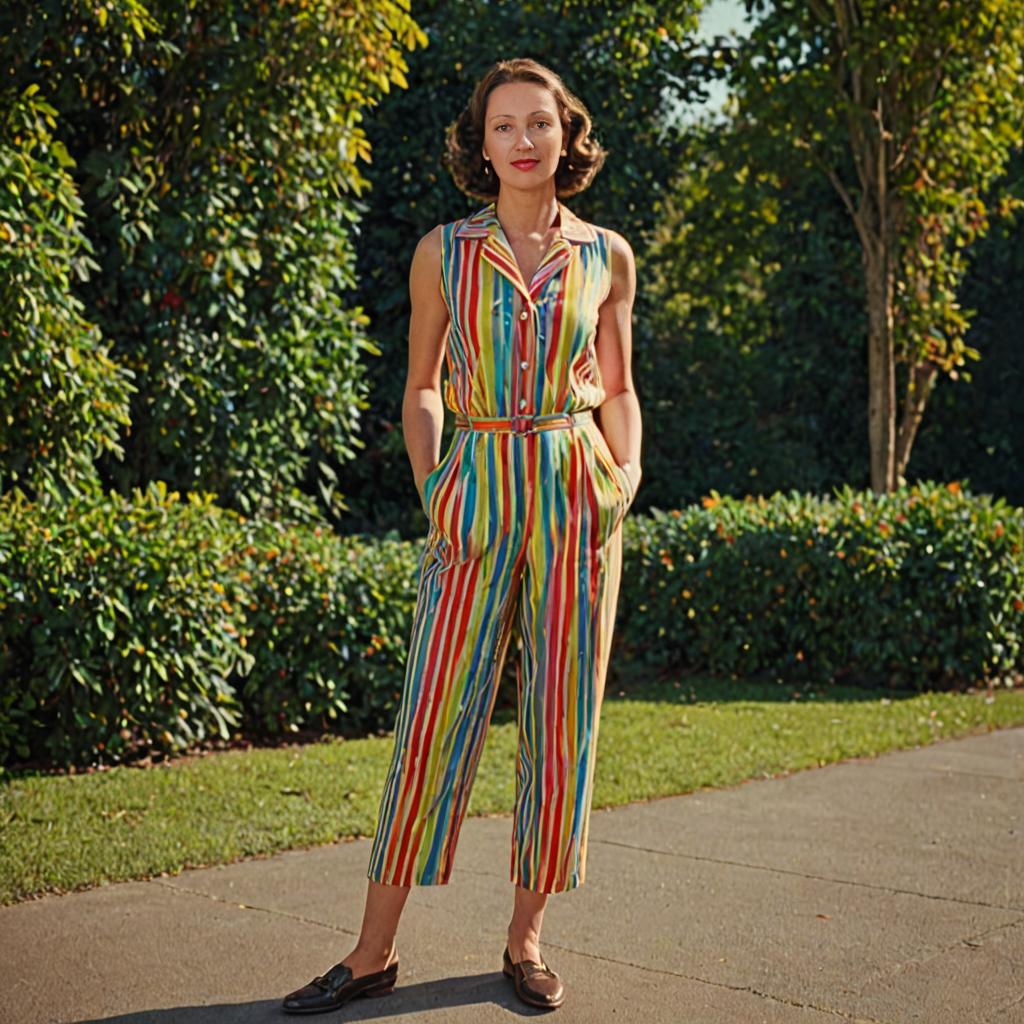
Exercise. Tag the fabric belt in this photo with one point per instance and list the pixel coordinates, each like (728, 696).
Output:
(523, 424)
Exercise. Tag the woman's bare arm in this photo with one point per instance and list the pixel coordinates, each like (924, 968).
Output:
(422, 405)
(620, 412)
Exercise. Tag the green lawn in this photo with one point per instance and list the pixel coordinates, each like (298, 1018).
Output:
(60, 833)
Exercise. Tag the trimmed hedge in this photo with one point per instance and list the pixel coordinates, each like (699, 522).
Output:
(919, 589)
(156, 622)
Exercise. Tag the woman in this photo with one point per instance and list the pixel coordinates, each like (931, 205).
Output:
(531, 306)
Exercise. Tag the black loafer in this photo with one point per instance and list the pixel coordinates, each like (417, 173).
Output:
(536, 984)
(336, 987)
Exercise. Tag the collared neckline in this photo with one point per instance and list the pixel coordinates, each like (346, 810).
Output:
(484, 222)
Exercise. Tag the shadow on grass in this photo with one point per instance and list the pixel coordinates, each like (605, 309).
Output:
(640, 683)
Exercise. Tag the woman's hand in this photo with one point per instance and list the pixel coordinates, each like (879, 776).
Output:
(633, 474)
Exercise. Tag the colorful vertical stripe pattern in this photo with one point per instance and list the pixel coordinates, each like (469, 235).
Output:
(488, 337)
(524, 525)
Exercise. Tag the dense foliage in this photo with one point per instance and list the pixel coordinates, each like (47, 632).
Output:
(157, 622)
(204, 292)
(910, 111)
(64, 398)
(923, 588)
(750, 342)
(206, 155)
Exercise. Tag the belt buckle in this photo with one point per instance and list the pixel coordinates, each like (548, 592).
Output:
(517, 419)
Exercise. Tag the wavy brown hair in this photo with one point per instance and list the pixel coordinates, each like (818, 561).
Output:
(464, 136)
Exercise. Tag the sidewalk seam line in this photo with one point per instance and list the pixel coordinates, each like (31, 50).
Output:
(800, 874)
(240, 905)
(721, 984)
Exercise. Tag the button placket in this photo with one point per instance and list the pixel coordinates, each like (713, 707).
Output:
(523, 344)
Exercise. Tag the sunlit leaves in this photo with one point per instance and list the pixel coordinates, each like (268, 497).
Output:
(62, 396)
(157, 620)
(220, 158)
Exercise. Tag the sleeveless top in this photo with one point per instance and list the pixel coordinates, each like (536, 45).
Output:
(514, 347)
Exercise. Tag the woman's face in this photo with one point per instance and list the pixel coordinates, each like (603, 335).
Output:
(522, 134)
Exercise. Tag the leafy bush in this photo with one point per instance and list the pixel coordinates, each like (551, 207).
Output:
(918, 589)
(63, 397)
(155, 622)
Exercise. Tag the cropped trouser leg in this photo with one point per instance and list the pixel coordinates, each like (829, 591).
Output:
(567, 611)
(459, 637)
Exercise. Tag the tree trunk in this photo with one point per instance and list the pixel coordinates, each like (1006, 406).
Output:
(881, 369)
(919, 387)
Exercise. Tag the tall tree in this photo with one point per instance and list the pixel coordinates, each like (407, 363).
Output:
(911, 110)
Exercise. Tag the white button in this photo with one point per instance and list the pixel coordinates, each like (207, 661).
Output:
(524, 364)
(522, 403)
(523, 315)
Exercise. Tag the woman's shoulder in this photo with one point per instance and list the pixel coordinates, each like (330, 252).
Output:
(612, 237)
(428, 255)
(621, 252)
(578, 229)
(430, 249)
(474, 224)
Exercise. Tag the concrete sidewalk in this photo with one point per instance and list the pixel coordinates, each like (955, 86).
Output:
(883, 890)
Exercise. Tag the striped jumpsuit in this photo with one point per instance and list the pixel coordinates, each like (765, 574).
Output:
(522, 522)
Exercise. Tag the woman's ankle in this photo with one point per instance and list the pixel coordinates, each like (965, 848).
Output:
(376, 950)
